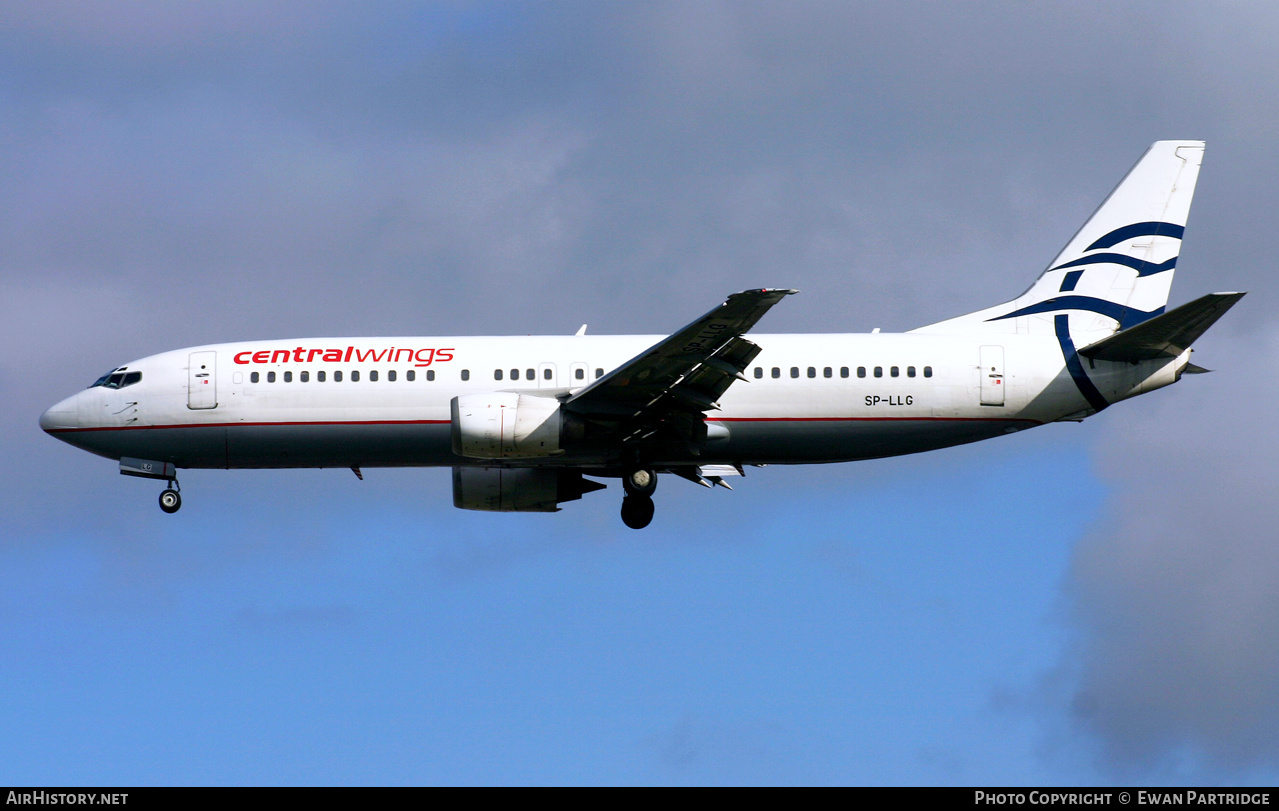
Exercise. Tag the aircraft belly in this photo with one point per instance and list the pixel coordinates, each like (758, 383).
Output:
(339, 445)
(185, 446)
(843, 440)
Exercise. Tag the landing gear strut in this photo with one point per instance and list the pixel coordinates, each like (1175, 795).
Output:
(637, 508)
(171, 499)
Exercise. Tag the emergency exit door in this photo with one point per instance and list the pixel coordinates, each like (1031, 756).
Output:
(992, 375)
(202, 382)
(547, 377)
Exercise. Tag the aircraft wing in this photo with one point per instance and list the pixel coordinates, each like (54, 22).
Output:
(684, 374)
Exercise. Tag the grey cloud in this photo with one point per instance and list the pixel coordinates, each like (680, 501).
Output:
(828, 150)
(1174, 589)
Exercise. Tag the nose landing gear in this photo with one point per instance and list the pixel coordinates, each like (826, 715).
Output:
(170, 500)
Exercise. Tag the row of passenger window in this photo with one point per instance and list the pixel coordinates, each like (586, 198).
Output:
(579, 373)
(410, 375)
(322, 376)
(893, 371)
(529, 374)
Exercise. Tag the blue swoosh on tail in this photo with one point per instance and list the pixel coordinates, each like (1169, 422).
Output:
(1138, 229)
(1142, 267)
(1126, 316)
(1086, 387)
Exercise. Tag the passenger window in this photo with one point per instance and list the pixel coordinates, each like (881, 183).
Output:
(843, 371)
(910, 371)
(497, 374)
(861, 371)
(879, 371)
(270, 377)
(410, 375)
(546, 374)
(529, 374)
(928, 371)
(599, 373)
(305, 377)
(794, 371)
(579, 373)
(759, 372)
(466, 374)
(355, 376)
(430, 375)
(373, 376)
(390, 375)
(812, 371)
(288, 377)
(320, 376)
(777, 372)
(253, 378)
(894, 371)
(827, 372)
(337, 377)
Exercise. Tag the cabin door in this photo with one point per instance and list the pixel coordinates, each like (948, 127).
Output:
(992, 375)
(202, 382)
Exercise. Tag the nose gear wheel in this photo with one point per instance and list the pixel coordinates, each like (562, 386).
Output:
(170, 500)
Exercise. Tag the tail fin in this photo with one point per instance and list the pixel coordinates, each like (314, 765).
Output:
(1117, 270)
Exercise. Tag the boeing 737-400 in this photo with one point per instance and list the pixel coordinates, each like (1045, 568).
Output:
(523, 422)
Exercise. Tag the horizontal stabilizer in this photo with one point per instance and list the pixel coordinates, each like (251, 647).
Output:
(1164, 336)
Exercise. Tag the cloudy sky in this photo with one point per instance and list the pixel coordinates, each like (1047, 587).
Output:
(1086, 603)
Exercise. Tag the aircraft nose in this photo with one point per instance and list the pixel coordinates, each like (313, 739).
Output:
(62, 416)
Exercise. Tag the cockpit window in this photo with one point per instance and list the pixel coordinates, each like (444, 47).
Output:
(117, 379)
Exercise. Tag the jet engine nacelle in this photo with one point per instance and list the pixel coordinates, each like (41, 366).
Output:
(506, 425)
(517, 489)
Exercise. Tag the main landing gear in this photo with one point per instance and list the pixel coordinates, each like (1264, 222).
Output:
(637, 507)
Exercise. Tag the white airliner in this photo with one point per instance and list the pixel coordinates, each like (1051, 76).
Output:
(522, 420)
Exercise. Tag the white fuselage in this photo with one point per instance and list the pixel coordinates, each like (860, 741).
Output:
(386, 401)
